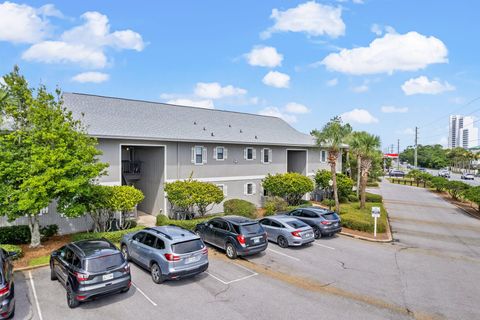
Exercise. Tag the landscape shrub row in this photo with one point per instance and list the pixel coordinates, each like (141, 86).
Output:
(186, 224)
(112, 236)
(240, 208)
(21, 234)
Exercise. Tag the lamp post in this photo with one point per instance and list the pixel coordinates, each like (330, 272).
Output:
(330, 184)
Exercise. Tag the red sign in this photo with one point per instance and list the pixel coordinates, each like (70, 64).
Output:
(391, 155)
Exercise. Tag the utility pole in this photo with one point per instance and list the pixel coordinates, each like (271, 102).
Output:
(398, 154)
(416, 146)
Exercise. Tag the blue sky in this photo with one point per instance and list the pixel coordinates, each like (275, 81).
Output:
(386, 66)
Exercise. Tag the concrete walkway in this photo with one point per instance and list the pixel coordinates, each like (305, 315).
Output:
(146, 220)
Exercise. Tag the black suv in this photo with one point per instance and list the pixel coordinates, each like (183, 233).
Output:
(238, 236)
(88, 269)
(323, 221)
(7, 290)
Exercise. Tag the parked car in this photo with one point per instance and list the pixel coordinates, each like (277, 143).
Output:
(287, 231)
(89, 269)
(444, 173)
(238, 236)
(323, 221)
(396, 173)
(467, 176)
(422, 169)
(7, 287)
(169, 252)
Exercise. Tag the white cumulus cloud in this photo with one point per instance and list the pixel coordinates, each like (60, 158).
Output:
(422, 85)
(293, 107)
(264, 57)
(206, 104)
(93, 77)
(276, 79)
(85, 44)
(332, 82)
(214, 90)
(312, 18)
(275, 112)
(393, 52)
(21, 23)
(393, 109)
(360, 116)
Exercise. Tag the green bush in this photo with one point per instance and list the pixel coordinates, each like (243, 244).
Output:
(372, 184)
(21, 234)
(361, 219)
(328, 203)
(439, 183)
(352, 197)
(274, 205)
(12, 248)
(113, 236)
(473, 194)
(240, 208)
(186, 224)
(371, 197)
(456, 188)
(344, 183)
(15, 234)
(290, 186)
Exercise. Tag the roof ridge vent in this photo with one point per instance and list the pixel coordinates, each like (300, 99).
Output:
(204, 129)
(195, 123)
(241, 131)
(212, 134)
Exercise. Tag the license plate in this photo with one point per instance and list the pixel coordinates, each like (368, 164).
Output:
(308, 235)
(107, 277)
(336, 224)
(256, 240)
(191, 260)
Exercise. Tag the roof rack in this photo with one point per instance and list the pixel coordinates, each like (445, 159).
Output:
(174, 225)
(159, 232)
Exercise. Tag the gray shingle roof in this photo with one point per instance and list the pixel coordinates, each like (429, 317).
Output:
(124, 118)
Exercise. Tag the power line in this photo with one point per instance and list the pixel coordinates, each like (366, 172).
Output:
(454, 111)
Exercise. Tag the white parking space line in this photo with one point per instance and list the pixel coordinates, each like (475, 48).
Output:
(283, 254)
(216, 278)
(35, 296)
(322, 245)
(253, 274)
(143, 293)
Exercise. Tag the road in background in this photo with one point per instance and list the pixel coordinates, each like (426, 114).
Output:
(456, 177)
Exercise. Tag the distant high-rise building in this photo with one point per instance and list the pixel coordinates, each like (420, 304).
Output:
(461, 132)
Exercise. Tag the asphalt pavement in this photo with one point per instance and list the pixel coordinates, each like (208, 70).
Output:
(431, 271)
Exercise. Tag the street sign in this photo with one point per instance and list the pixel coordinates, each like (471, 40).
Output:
(375, 215)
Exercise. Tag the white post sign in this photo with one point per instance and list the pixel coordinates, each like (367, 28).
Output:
(375, 215)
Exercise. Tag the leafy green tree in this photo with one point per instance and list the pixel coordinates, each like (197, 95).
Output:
(429, 156)
(205, 195)
(333, 136)
(473, 194)
(344, 183)
(45, 154)
(354, 142)
(456, 188)
(291, 186)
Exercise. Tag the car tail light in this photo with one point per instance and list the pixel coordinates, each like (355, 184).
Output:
(5, 290)
(171, 257)
(296, 234)
(205, 250)
(81, 276)
(81, 298)
(241, 239)
(324, 222)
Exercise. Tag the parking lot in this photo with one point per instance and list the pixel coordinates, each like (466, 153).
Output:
(430, 272)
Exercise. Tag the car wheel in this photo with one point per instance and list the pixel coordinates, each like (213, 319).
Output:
(231, 251)
(198, 233)
(125, 253)
(53, 275)
(282, 242)
(71, 301)
(317, 233)
(156, 273)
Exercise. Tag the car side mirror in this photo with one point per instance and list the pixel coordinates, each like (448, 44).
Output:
(12, 254)
(54, 253)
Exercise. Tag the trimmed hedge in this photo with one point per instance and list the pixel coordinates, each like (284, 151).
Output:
(49, 231)
(113, 236)
(371, 197)
(12, 248)
(361, 219)
(352, 198)
(240, 208)
(274, 205)
(186, 224)
(21, 234)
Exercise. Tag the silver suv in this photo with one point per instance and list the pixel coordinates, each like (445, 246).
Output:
(169, 252)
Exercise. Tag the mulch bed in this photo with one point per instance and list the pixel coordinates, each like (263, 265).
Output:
(47, 247)
(465, 205)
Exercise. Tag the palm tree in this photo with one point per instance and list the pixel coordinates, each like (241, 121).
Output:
(368, 145)
(333, 135)
(354, 148)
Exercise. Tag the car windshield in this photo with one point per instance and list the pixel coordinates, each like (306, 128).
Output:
(187, 246)
(330, 216)
(104, 263)
(251, 228)
(296, 224)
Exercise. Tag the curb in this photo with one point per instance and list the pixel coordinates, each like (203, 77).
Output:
(31, 268)
(346, 234)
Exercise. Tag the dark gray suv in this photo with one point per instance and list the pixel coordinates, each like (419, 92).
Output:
(323, 221)
(7, 290)
(169, 252)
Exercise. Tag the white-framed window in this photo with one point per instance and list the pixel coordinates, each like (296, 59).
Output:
(220, 153)
(249, 153)
(266, 155)
(199, 155)
(223, 187)
(323, 156)
(250, 188)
